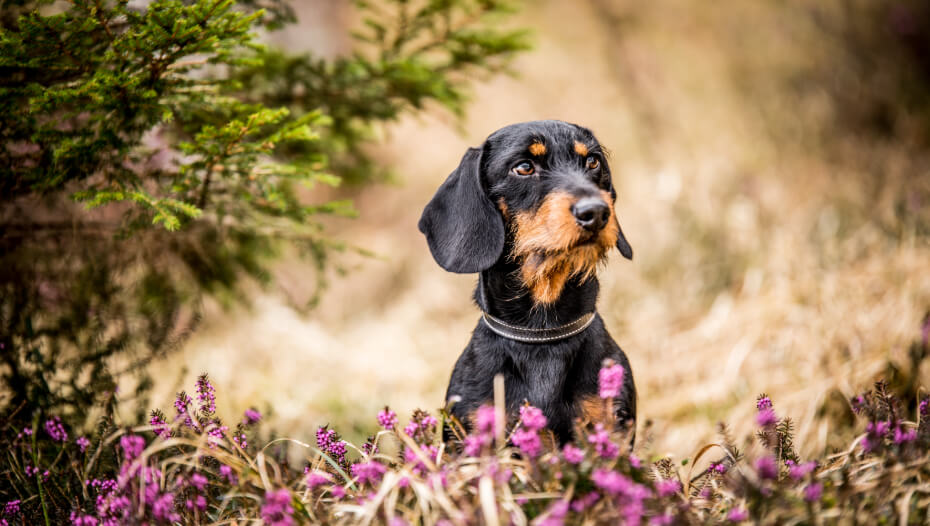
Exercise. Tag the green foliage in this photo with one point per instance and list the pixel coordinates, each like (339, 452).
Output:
(149, 156)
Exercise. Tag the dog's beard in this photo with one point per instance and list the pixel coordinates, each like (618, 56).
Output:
(552, 248)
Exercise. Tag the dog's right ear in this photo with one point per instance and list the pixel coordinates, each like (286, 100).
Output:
(463, 228)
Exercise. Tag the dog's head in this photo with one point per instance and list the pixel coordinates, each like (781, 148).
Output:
(541, 188)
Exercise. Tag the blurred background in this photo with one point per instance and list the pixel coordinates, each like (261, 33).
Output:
(772, 164)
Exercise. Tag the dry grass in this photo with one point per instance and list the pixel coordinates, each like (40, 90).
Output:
(760, 261)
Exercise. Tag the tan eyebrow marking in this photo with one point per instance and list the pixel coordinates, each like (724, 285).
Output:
(581, 149)
(537, 148)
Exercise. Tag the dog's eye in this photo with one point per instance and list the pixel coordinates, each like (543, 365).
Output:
(523, 168)
(592, 163)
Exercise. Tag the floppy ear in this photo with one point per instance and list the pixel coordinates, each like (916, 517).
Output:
(623, 245)
(464, 229)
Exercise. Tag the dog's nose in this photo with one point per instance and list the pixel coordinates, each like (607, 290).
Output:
(591, 213)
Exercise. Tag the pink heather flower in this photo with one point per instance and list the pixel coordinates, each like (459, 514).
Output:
(902, 436)
(475, 443)
(337, 491)
(763, 402)
(277, 509)
(163, 508)
(56, 429)
(485, 419)
(583, 503)
(528, 441)
(82, 443)
(78, 519)
(324, 437)
(387, 419)
(252, 416)
(813, 492)
(199, 502)
(397, 521)
(662, 520)
(635, 461)
(198, 481)
(532, 418)
(205, 395)
(159, 426)
(611, 482)
(924, 407)
(411, 428)
(181, 404)
(767, 468)
(766, 418)
(799, 471)
(228, 473)
(875, 434)
(668, 487)
(368, 472)
(317, 478)
(555, 515)
(411, 457)
(602, 444)
(610, 379)
(737, 515)
(240, 440)
(718, 467)
(572, 454)
(215, 434)
(11, 508)
(132, 446)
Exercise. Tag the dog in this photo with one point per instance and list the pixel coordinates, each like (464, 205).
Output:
(532, 213)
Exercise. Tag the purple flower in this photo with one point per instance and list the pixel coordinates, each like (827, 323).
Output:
(875, 435)
(766, 417)
(668, 487)
(737, 515)
(799, 471)
(763, 402)
(198, 481)
(228, 473)
(475, 443)
(528, 441)
(56, 430)
(610, 482)
(602, 444)
(337, 491)
(813, 492)
(718, 467)
(205, 395)
(486, 419)
(572, 454)
(532, 418)
(902, 436)
(215, 434)
(766, 468)
(662, 520)
(78, 519)
(387, 419)
(324, 437)
(163, 508)
(252, 416)
(11, 508)
(240, 440)
(924, 407)
(555, 515)
(635, 461)
(317, 478)
(181, 404)
(368, 472)
(610, 379)
(411, 457)
(159, 426)
(82, 443)
(583, 503)
(199, 502)
(277, 509)
(132, 446)
(411, 428)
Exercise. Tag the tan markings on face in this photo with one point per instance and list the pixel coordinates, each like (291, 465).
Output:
(581, 149)
(594, 409)
(503, 207)
(538, 148)
(548, 245)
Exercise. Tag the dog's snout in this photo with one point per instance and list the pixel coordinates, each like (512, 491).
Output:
(591, 213)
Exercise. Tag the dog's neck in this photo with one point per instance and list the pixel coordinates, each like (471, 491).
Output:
(502, 294)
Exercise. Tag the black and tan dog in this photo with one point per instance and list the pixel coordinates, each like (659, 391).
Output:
(532, 212)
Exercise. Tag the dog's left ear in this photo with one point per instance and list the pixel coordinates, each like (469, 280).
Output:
(623, 245)
(463, 228)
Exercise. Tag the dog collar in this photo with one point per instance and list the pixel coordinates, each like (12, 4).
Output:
(527, 335)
